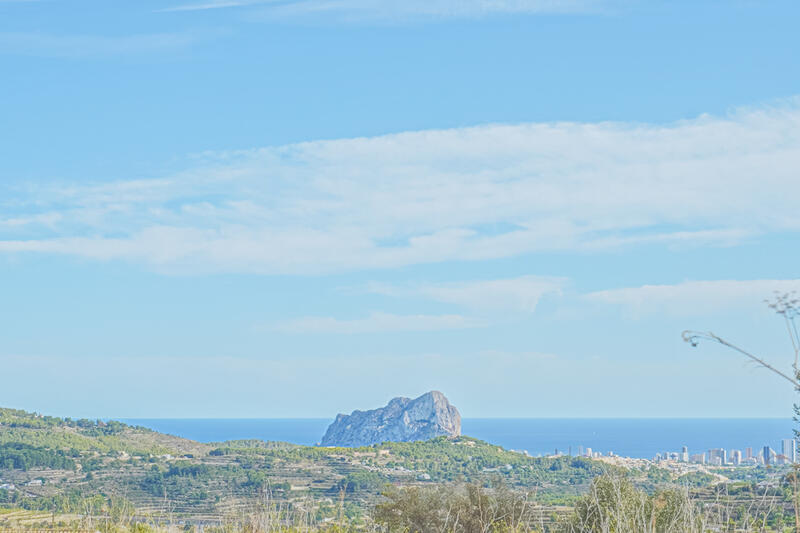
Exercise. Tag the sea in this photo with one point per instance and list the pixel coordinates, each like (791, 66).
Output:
(629, 437)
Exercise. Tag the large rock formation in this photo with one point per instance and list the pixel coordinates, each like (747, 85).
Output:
(403, 419)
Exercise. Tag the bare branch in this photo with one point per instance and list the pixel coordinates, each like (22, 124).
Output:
(693, 338)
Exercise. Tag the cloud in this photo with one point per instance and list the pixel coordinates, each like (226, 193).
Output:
(515, 294)
(50, 45)
(208, 5)
(360, 10)
(365, 10)
(465, 194)
(694, 297)
(376, 323)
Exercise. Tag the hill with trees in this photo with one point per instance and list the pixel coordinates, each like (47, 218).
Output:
(86, 470)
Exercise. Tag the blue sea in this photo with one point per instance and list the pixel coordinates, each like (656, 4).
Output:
(630, 437)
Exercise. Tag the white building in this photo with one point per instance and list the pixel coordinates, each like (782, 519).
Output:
(736, 457)
(699, 458)
(717, 456)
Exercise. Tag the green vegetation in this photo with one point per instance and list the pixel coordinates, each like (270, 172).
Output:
(92, 468)
(255, 443)
(470, 459)
(361, 481)
(23, 457)
(16, 418)
(468, 508)
(613, 504)
(21, 427)
(695, 479)
(187, 481)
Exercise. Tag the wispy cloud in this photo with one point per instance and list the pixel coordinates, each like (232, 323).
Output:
(52, 45)
(516, 294)
(361, 10)
(465, 194)
(204, 6)
(694, 297)
(376, 323)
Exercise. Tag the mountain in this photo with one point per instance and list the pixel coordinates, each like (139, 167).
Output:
(402, 420)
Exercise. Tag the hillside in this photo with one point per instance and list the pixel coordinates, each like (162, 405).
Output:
(84, 471)
(49, 463)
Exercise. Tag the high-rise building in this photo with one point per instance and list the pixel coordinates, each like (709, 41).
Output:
(699, 458)
(789, 449)
(748, 453)
(736, 457)
(717, 456)
(588, 452)
(685, 454)
(767, 453)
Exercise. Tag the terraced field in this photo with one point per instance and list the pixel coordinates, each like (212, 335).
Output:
(82, 468)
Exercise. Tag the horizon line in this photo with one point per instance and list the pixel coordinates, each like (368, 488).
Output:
(464, 418)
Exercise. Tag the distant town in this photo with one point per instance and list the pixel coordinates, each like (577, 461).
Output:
(721, 457)
(750, 456)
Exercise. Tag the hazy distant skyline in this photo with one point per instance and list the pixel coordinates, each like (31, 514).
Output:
(295, 209)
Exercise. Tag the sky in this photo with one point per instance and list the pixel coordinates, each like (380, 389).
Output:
(295, 208)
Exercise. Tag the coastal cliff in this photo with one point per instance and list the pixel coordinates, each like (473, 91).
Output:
(402, 420)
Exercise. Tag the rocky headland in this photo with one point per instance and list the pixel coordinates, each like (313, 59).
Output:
(402, 420)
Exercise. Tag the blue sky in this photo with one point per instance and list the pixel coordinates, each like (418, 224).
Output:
(298, 208)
